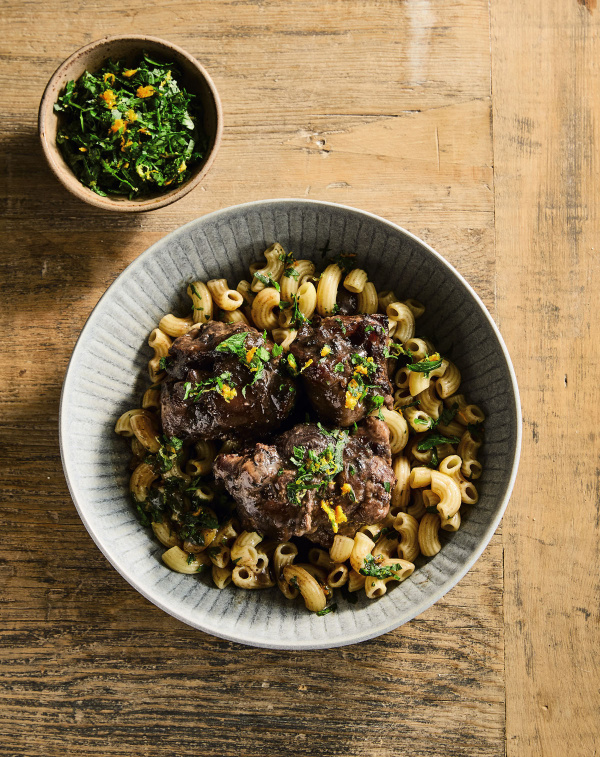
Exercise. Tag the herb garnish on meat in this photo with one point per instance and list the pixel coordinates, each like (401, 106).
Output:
(222, 384)
(130, 131)
(254, 359)
(317, 468)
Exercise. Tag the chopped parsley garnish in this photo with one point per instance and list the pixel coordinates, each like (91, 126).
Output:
(287, 258)
(384, 531)
(222, 384)
(326, 610)
(194, 523)
(425, 366)
(377, 401)
(446, 416)
(474, 428)
(414, 403)
(235, 344)
(291, 273)
(292, 365)
(130, 131)
(267, 281)
(166, 457)
(142, 516)
(197, 293)
(421, 422)
(363, 364)
(336, 309)
(434, 439)
(338, 368)
(371, 568)
(397, 350)
(254, 359)
(387, 486)
(277, 350)
(340, 323)
(298, 317)
(316, 469)
(359, 386)
(162, 363)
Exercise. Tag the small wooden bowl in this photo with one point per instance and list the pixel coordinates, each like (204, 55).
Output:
(129, 48)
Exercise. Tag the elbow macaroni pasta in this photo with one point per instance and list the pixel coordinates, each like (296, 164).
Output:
(327, 289)
(367, 299)
(272, 270)
(434, 478)
(202, 304)
(223, 296)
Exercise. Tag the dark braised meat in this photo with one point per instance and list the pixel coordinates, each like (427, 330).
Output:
(312, 481)
(224, 382)
(347, 302)
(344, 366)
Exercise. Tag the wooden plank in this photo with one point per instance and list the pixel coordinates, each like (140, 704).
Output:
(546, 83)
(377, 104)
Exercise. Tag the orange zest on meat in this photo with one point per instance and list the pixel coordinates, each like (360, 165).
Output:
(340, 515)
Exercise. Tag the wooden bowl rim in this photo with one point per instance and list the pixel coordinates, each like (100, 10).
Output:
(64, 174)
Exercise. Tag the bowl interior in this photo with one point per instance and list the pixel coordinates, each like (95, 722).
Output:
(108, 374)
(193, 77)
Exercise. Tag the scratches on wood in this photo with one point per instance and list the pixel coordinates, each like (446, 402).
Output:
(546, 142)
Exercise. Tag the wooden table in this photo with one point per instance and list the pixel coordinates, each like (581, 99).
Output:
(477, 127)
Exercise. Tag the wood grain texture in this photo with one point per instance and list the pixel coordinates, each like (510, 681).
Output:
(546, 83)
(379, 104)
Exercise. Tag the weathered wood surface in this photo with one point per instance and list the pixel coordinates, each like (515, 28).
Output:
(546, 84)
(383, 105)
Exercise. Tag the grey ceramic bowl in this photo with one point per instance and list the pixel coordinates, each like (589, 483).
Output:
(107, 375)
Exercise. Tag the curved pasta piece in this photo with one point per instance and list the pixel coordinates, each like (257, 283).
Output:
(429, 542)
(398, 428)
(202, 304)
(312, 593)
(327, 289)
(263, 309)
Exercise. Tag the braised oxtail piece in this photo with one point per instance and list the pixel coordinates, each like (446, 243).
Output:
(224, 381)
(343, 365)
(312, 481)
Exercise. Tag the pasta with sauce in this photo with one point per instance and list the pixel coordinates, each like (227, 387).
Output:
(435, 439)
